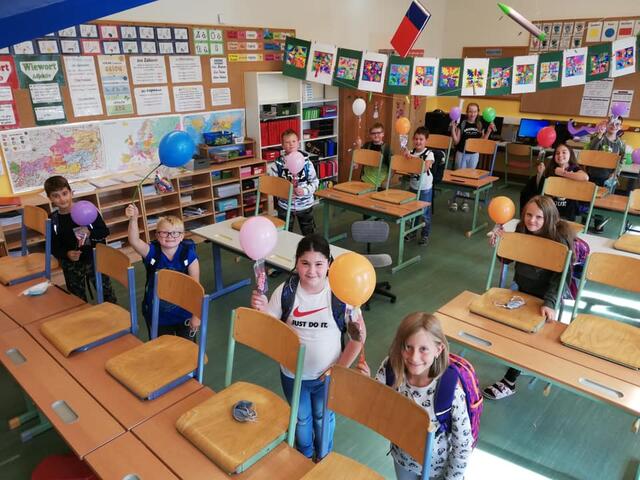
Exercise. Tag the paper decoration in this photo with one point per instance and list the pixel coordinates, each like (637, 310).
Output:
(88, 31)
(410, 28)
(115, 84)
(500, 76)
(83, 85)
(23, 48)
(130, 47)
(48, 46)
(549, 70)
(322, 62)
(609, 31)
(556, 29)
(595, 98)
(146, 33)
(128, 32)
(474, 76)
(449, 76)
(69, 32)
(425, 76)
(219, 70)
(524, 74)
(623, 57)
(567, 29)
(165, 48)
(296, 54)
(90, 47)
(152, 100)
(8, 81)
(185, 69)
(163, 33)
(636, 28)
(111, 48)
(574, 67)
(578, 29)
(108, 32)
(625, 28)
(399, 75)
(347, 71)
(146, 70)
(180, 33)
(220, 96)
(188, 98)
(598, 61)
(594, 31)
(42, 74)
(148, 47)
(372, 71)
(70, 46)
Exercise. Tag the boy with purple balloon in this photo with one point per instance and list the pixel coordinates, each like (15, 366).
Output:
(76, 229)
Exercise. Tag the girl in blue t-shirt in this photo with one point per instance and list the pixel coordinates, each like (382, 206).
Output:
(169, 251)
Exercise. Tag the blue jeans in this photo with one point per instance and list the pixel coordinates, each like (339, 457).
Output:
(310, 411)
(465, 160)
(426, 196)
(403, 474)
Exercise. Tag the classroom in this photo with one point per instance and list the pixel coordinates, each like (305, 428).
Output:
(420, 220)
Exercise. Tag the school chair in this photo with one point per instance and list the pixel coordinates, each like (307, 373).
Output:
(518, 156)
(629, 242)
(405, 165)
(231, 445)
(600, 336)
(3, 244)
(368, 232)
(562, 187)
(277, 187)
(598, 159)
(97, 324)
(440, 142)
(30, 265)
(363, 158)
(163, 363)
(531, 250)
(483, 147)
(383, 410)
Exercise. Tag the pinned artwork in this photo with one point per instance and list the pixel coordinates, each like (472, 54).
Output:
(475, 74)
(524, 74)
(347, 69)
(623, 57)
(372, 71)
(425, 74)
(322, 62)
(574, 67)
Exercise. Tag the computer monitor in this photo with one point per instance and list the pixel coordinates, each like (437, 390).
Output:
(529, 128)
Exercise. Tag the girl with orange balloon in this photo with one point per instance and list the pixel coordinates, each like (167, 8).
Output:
(307, 303)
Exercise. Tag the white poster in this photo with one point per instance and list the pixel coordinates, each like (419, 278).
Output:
(525, 72)
(7, 117)
(625, 97)
(474, 76)
(150, 100)
(49, 113)
(373, 68)
(146, 70)
(220, 96)
(115, 84)
(5, 94)
(219, 70)
(425, 76)
(45, 93)
(623, 55)
(321, 63)
(625, 28)
(595, 98)
(609, 31)
(574, 70)
(83, 85)
(188, 98)
(185, 69)
(594, 31)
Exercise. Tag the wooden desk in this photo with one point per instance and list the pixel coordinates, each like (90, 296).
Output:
(615, 203)
(48, 384)
(87, 368)
(160, 435)
(6, 323)
(125, 457)
(399, 214)
(476, 187)
(24, 310)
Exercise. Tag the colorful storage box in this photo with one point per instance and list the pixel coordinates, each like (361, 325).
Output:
(218, 138)
(270, 154)
(221, 217)
(226, 204)
(245, 172)
(227, 190)
(259, 170)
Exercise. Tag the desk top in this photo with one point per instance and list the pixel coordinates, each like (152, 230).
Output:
(365, 201)
(88, 370)
(48, 384)
(125, 457)
(633, 168)
(283, 255)
(6, 323)
(160, 435)
(616, 203)
(449, 177)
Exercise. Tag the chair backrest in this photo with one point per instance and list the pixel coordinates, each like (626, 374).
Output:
(370, 158)
(634, 199)
(617, 271)
(181, 290)
(276, 186)
(441, 142)
(411, 165)
(532, 250)
(113, 263)
(268, 335)
(519, 149)
(35, 218)
(370, 231)
(599, 159)
(480, 145)
(380, 408)
(567, 188)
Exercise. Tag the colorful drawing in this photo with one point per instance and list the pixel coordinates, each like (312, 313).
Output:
(500, 77)
(322, 63)
(574, 66)
(347, 68)
(372, 71)
(549, 72)
(449, 77)
(424, 75)
(296, 55)
(599, 63)
(524, 74)
(399, 75)
(474, 78)
(624, 58)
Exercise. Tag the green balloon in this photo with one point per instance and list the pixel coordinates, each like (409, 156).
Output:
(489, 114)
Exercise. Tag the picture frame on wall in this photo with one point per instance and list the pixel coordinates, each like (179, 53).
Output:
(69, 32)
(163, 33)
(128, 32)
(129, 46)
(108, 31)
(146, 33)
(48, 46)
(148, 47)
(111, 47)
(180, 33)
(91, 47)
(182, 47)
(88, 31)
(70, 46)
(165, 48)
(23, 48)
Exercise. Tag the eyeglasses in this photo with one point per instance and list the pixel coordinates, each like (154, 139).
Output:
(169, 234)
(377, 132)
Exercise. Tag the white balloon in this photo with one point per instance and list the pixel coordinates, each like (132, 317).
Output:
(359, 106)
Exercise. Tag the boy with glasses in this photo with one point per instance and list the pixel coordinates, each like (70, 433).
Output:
(376, 142)
(168, 251)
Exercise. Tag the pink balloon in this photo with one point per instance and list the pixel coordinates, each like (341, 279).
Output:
(455, 113)
(635, 156)
(84, 213)
(258, 237)
(294, 162)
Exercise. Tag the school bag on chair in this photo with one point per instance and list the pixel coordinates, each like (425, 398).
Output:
(459, 370)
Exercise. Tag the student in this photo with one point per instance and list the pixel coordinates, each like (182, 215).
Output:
(539, 217)
(424, 183)
(172, 252)
(376, 143)
(72, 244)
(471, 127)
(563, 164)
(305, 303)
(418, 357)
(305, 185)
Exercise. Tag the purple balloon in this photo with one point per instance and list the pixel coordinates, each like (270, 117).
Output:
(258, 237)
(84, 213)
(618, 109)
(635, 156)
(455, 113)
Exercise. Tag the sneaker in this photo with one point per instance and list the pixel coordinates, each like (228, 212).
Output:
(453, 206)
(499, 390)
(410, 236)
(423, 241)
(464, 207)
(600, 223)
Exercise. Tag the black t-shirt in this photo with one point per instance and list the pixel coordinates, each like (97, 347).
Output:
(467, 130)
(65, 232)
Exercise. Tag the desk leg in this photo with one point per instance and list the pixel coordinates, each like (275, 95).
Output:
(31, 413)
(402, 264)
(220, 289)
(476, 202)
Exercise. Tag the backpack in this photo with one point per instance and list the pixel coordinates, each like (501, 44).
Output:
(459, 370)
(438, 167)
(151, 267)
(580, 252)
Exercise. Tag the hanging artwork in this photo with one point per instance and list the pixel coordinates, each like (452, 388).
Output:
(399, 75)
(372, 71)
(449, 76)
(425, 76)
(623, 57)
(598, 61)
(574, 66)
(322, 62)
(500, 76)
(524, 74)
(347, 69)
(474, 76)
(549, 70)
(296, 54)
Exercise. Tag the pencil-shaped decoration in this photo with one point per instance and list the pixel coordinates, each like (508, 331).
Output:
(523, 22)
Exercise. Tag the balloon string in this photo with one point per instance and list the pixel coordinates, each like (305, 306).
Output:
(135, 191)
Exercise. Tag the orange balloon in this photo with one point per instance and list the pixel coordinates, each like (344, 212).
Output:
(403, 126)
(352, 278)
(501, 210)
